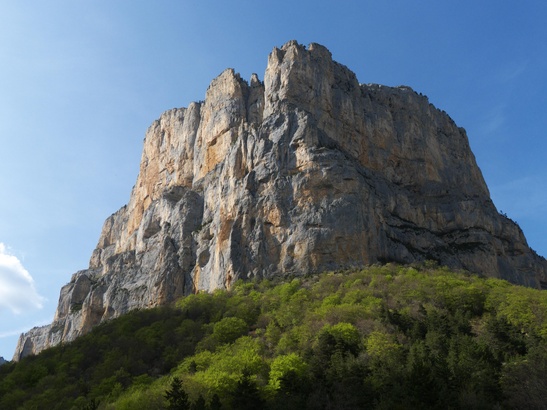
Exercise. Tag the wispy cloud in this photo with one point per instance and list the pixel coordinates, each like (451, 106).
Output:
(493, 120)
(511, 71)
(17, 291)
(501, 86)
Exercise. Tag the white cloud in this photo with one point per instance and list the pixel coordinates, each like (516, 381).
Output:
(17, 291)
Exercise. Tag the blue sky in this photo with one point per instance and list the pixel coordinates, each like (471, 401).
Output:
(80, 82)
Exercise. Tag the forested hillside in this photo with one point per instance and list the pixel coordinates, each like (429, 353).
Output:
(385, 337)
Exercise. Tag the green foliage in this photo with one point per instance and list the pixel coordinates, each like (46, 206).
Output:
(229, 329)
(524, 380)
(382, 347)
(176, 396)
(140, 397)
(219, 372)
(383, 337)
(285, 366)
(246, 395)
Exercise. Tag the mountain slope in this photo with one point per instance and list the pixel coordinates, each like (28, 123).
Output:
(382, 337)
(306, 171)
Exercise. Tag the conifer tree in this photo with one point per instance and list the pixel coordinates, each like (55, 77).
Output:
(177, 397)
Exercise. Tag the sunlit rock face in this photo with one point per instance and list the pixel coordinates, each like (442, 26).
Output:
(306, 171)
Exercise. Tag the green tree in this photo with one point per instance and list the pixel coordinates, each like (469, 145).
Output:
(524, 380)
(91, 405)
(246, 395)
(177, 397)
(215, 403)
(199, 404)
(342, 338)
(229, 329)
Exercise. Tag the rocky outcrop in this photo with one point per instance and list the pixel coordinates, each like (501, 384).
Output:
(306, 171)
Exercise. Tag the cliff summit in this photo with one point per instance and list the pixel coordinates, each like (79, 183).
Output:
(303, 172)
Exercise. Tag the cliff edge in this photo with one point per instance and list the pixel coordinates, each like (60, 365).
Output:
(306, 171)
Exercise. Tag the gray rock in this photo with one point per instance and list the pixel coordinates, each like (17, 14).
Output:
(305, 172)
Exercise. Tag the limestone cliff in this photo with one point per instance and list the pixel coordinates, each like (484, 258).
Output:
(306, 171)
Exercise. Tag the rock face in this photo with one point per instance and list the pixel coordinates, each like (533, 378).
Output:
(304, 172)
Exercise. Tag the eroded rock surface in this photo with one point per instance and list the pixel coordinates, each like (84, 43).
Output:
(304, 172)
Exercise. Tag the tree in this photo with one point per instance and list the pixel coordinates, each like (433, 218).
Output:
(199, 404)
(229, 329)
(91, 405)
(246, 394)
(288, 369)
(177, 397)
(215, 403)
(524, 380)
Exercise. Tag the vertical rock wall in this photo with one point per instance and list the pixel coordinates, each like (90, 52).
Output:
(306, 171)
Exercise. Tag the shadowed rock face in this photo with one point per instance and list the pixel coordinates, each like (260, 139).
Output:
(306, 171)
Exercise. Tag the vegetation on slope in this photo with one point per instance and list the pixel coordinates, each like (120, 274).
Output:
(382, 337)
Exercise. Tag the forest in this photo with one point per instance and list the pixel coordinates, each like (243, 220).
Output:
(383, 337)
